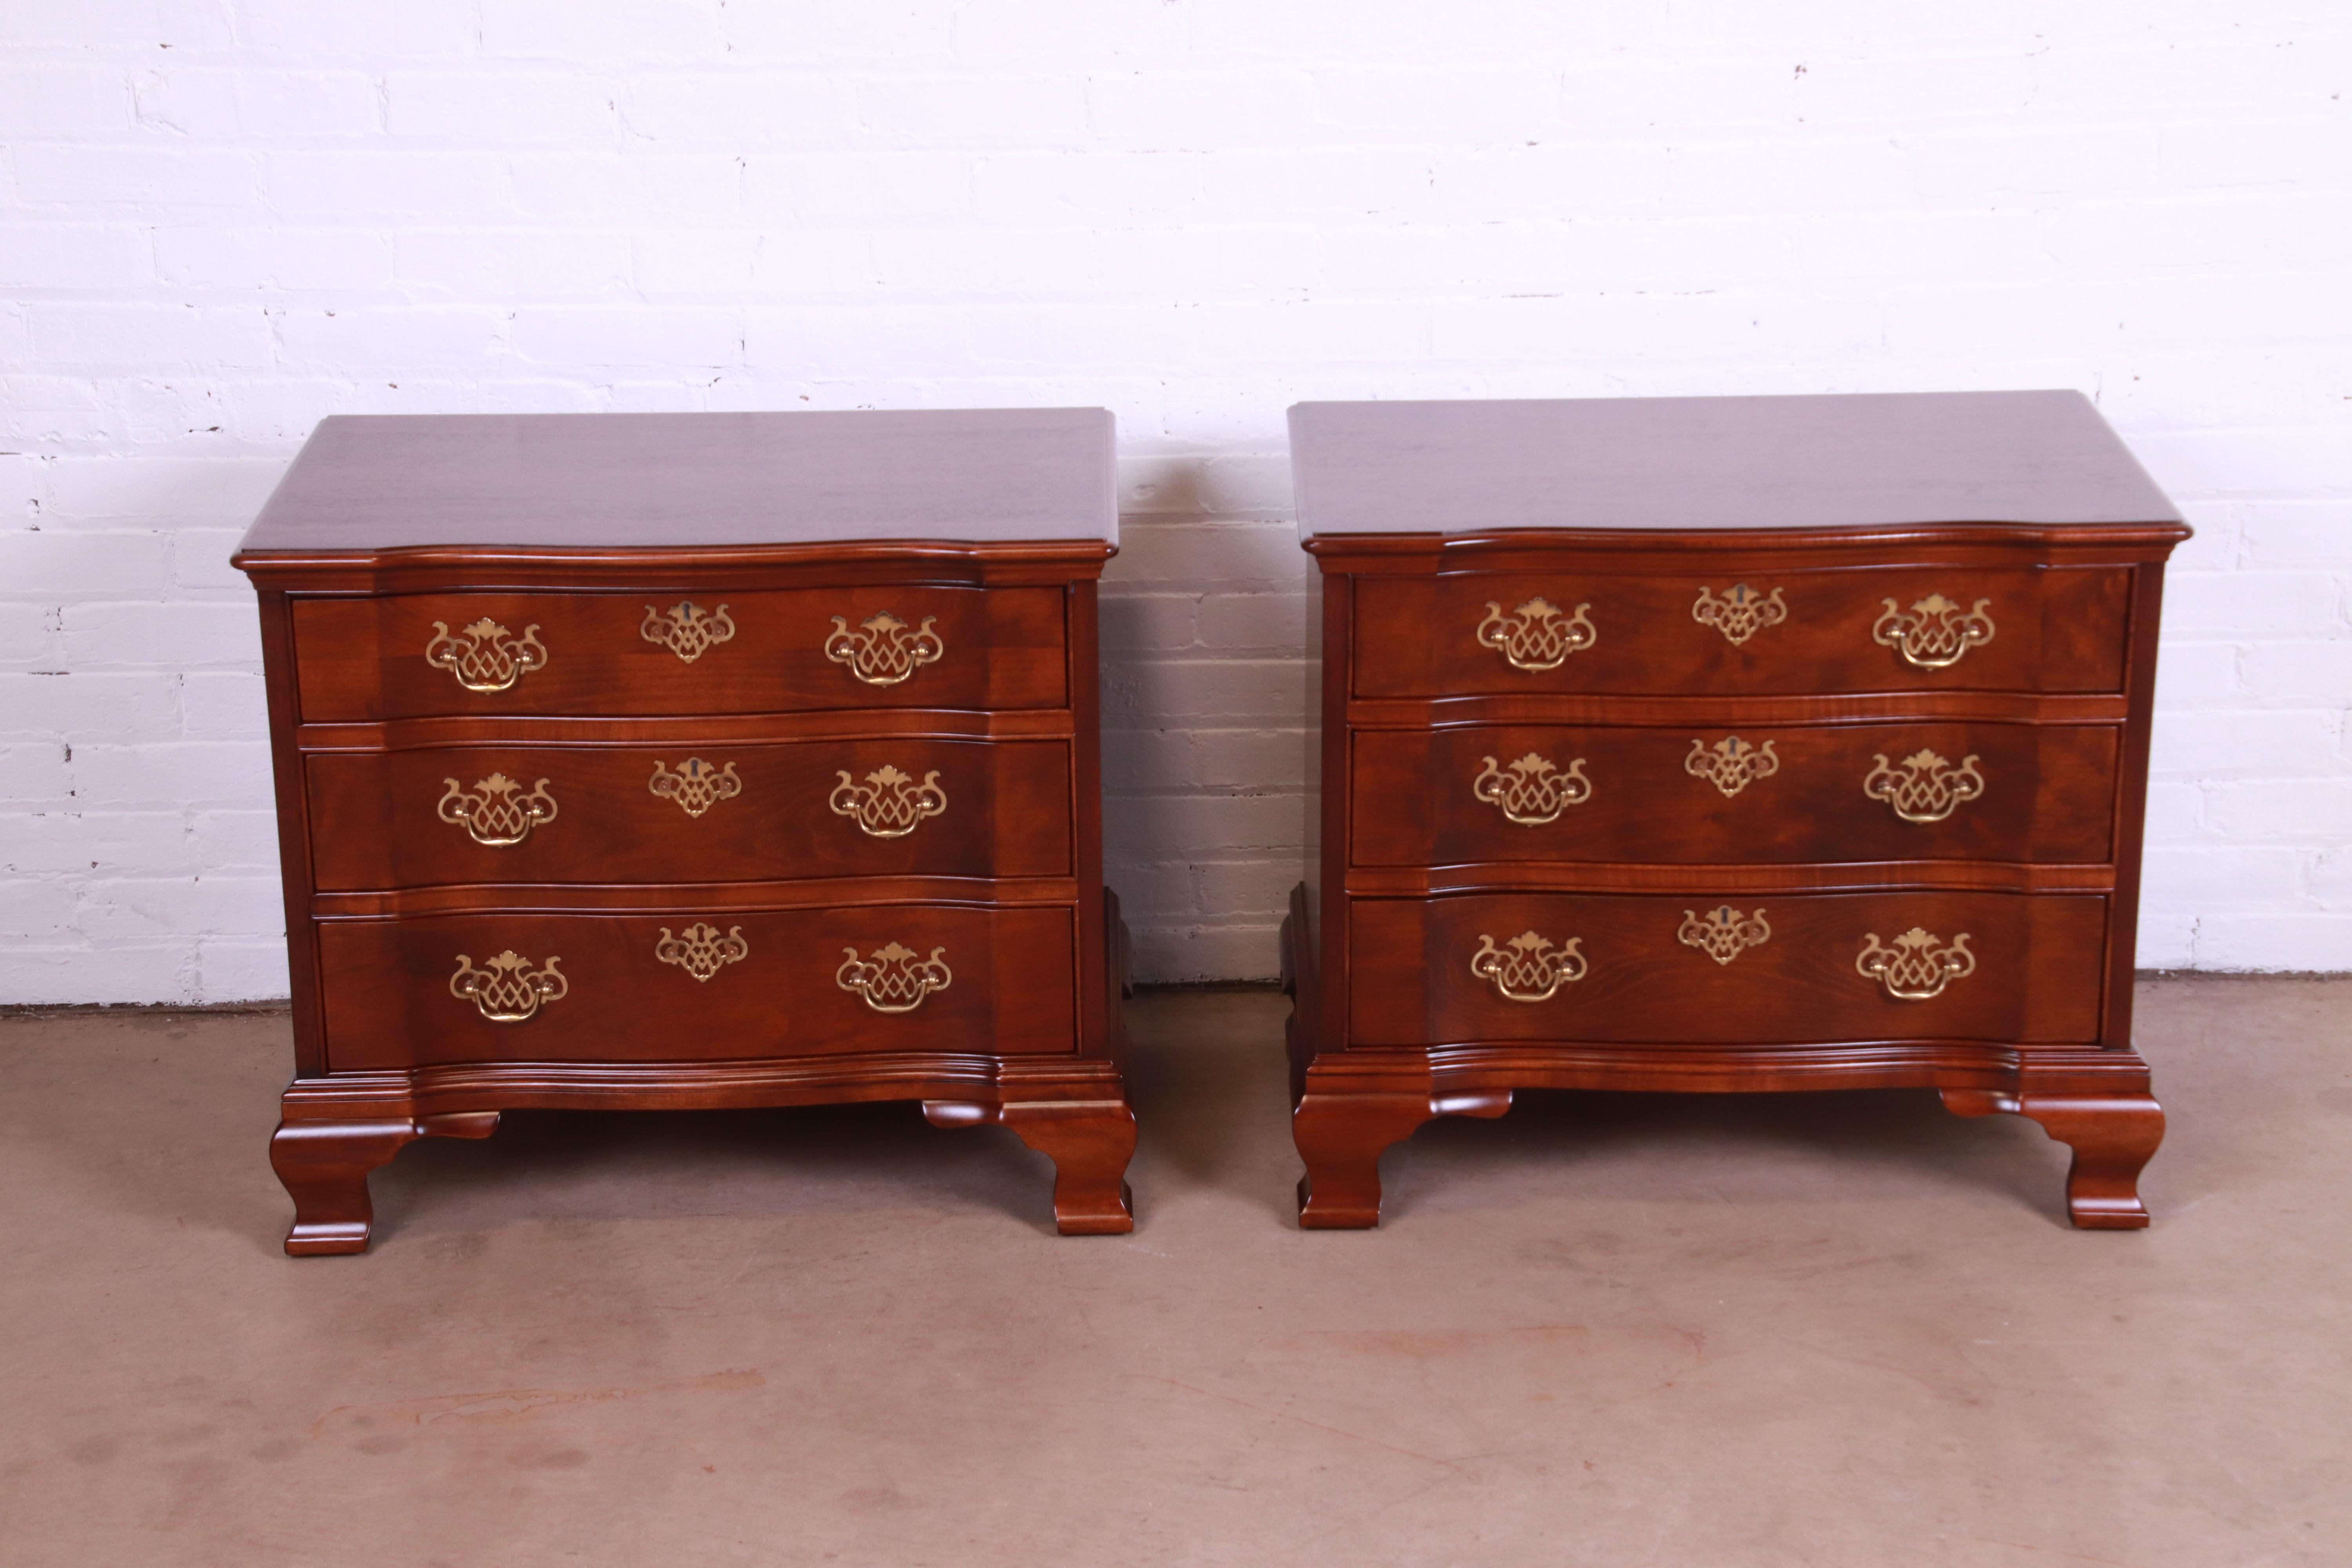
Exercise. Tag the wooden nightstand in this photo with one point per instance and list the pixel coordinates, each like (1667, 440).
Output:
(1722, 745)
(689, 760)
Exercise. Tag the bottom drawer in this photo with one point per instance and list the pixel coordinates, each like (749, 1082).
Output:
(1761, 971)
(699, 985)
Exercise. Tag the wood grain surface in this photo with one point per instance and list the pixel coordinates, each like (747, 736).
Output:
(2056, 629)
(2036, 977)
(1638, 464)
(1729, 566)
(2048, 795)
(375, 820)
(364, 658)
(389, 1003)
(369, 482)
(574, 539)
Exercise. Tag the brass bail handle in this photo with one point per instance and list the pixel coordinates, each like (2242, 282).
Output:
(883, 650)
(1934, 633)
(1529, 967)
(1538, 636)
(894, 979)
(485, 656)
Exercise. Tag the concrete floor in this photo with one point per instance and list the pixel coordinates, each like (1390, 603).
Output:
(1816, 1330)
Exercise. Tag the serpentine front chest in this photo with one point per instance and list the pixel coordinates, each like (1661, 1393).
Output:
(687, 761)
(1720, 745)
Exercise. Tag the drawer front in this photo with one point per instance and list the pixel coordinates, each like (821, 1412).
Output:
(700, 985)
(1759, 972)
(713, 812)
(423, 655)
(1839, 794)
(1853, 629)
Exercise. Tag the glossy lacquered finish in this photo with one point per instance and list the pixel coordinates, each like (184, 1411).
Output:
(2021, 796)
(709, 810)
(686, 825)
(365, 659)
(1750, 807)
(2055, 630)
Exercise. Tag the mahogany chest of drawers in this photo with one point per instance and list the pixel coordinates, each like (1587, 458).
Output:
(684, 760)
(1724, 744)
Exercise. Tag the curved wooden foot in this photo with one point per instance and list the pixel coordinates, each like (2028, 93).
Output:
(1089, 1141)
(1341, 1137)
(324, 1167)
(2112, 1136)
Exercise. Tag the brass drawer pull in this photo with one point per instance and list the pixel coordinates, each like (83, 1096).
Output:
(1529, 968)
(1914, 969)
(889, 804)
(1740, 614)
(493, 814)
(1928, 788)
(1723, 933)
(507, 989)
(1731, 764)
(882, 651)
(697, 786)
(688, 630)
(700, 951)
(1531, 791)
(1534, 637)
(485, 656)
(894, 980)
(1935, 632)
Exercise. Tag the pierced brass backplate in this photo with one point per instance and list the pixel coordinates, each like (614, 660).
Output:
(700, 951)
(697, 786)
(889, 804)
(1538, 636)
(1935, 632)
(1924, 787)
(687, 629)
(1740, 614)
(485, 656)
(1529, 968)
(506, 989)
(1916, 969)
(882, 651)
(492, 813)
(1731, 764)
(1723, 933)
(894, 980)
(1532, 791)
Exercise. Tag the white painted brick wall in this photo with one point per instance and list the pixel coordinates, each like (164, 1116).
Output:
(222, 219)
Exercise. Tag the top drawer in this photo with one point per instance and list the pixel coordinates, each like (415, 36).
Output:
(1894, 628)
(646, 654)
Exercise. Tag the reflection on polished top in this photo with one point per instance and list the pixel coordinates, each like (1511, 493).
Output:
(1714, 463)
(558, 480)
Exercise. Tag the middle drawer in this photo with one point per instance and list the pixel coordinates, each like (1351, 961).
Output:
(712, 813)
(1844, 793)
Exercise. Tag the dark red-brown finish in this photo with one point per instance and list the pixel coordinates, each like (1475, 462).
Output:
(2059, 631)
(2041, 867)
(383, 896)
(360, 659)
(1409, 958)
(376, 823)
(389, 1006)
(2050, 798)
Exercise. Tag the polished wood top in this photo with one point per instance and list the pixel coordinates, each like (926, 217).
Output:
(1715, 463)
(558, 480)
